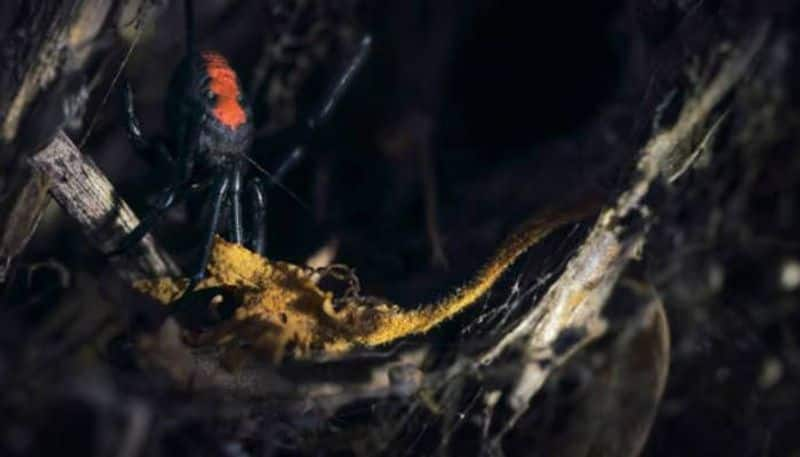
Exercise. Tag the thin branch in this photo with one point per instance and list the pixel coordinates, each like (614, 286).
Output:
(577, 298)
(48, 95)
(84, 192)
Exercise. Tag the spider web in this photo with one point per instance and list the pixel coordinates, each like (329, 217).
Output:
(450, 411)
(452, 407)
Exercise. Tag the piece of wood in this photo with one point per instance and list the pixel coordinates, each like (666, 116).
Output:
(576, 299)
(84, 192)
(42, 89)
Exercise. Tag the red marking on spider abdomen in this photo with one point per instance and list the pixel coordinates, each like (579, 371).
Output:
(223, 84)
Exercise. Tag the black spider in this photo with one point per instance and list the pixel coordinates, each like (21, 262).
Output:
(211, 123)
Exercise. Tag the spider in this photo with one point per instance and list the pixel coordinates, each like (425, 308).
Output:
(212, 129)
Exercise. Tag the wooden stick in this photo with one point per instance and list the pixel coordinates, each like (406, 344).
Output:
(576, 299)
(86, 194)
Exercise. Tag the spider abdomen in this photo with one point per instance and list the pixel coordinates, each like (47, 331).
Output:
(223, 84)
(206, 96)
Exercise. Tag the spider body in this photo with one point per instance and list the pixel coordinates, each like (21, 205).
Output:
(212, 130)
(206, 91)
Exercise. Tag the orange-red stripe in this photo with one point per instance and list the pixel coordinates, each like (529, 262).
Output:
(223, 84)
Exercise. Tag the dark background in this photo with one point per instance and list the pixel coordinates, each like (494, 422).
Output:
(524, 105)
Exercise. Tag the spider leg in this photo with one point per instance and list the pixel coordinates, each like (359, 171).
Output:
(288, 164)
(256, 239)
(166, 198)
(324, 111)
(235, 199)
(188, 131)
(181, 170)
(143, 146)
(219, 189)
(341, 84)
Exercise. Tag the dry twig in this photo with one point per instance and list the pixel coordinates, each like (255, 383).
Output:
(577, 298)
(88, 197)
